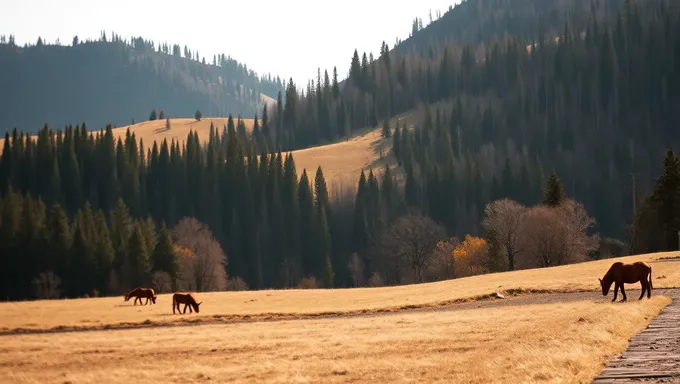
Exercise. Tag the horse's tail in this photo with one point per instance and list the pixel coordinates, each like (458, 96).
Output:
(650, 278)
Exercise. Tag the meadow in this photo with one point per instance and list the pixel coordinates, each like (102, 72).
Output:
(553, 326)
(112, 312)
(557, 342)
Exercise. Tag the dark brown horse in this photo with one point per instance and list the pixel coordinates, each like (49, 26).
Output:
(184, 298)
(139, 293)
(620, 273)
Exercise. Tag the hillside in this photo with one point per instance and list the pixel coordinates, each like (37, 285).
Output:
(596, 104)
(478, 22)
(115, 81)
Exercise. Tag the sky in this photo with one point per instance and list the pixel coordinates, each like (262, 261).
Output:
(288, 38)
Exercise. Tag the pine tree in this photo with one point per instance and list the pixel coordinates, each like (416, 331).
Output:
(153, 115)
(164, 257)
(553, 194)
(138, 257)
(665, 199)
(386, 130)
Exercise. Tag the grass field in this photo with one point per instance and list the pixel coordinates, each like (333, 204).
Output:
(567, 343)
(367, 337)
(342, 162)
(291, 304)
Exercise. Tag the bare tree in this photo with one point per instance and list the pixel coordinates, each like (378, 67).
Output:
(205, 268)
(46, 285)
(356, 269)
(543, 240)
(442, 266)
(237, 284)
(557, 235)
(161, 282)
(578, 223)
(412, 238)
(502, 222)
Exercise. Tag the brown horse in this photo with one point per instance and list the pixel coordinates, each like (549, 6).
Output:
(139, 293)
(620, 273)
(184, 298)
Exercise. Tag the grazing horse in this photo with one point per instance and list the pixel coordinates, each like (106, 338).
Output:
(620, 273)
(184, 298)
(140, 293)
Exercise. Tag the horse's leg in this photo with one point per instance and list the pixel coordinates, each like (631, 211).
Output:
(140, 301)
(623, 293)
(616, 291)
(644, 289)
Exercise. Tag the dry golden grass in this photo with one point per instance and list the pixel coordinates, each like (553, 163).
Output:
(342, 162)
(221, 306)
(561, 342)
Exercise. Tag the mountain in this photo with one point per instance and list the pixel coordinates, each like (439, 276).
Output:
(598, 104)
(478, 22)
(117, 81)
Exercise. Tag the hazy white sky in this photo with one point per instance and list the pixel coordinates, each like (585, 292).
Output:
(290, 38)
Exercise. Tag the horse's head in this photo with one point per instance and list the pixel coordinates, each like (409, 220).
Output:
(605, 287)
(127, 296)
(153, 299)
(196, 306)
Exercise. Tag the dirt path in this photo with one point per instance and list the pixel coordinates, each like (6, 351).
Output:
(653, 355)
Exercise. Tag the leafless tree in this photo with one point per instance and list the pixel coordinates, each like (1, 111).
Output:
(236, 284)
(578, 223)
(442, 267)
(46, 285)
(412, 238)
(356, 269)
(205, 269)
(543, 240)
(557, 236)
(502, 220)
(161, 282)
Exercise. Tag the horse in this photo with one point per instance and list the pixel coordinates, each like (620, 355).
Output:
(184, 298)
(620, 273)
(140, 293)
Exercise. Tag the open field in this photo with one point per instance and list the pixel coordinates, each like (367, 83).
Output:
(113, 312)
(342, 162)
(179, 130)
(423, 333)
(556, 342)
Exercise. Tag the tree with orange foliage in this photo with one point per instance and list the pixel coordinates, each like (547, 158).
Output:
(469, 257)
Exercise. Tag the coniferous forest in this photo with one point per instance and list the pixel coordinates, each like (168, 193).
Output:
(573, 124)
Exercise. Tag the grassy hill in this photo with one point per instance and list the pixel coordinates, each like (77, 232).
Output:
(341, 162)
(115, 81)
(438, 331)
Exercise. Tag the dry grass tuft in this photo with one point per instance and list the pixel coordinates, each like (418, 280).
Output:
(559, 342)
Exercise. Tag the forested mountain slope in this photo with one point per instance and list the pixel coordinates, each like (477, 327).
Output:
(486, 21)
(600, 107)
(116, 81)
